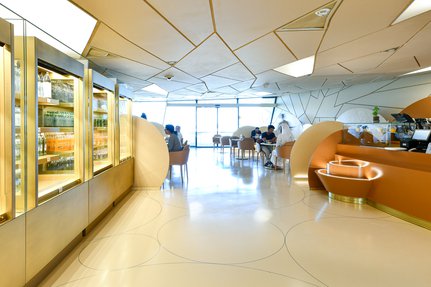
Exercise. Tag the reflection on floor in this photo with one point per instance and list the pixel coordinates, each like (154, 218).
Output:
(237, 224)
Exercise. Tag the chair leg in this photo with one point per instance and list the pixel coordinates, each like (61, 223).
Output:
(170, 172)
(181, 168)
(187, 173)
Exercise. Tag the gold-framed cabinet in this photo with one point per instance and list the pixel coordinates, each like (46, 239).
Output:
(7, 210)
(54, 120)
(100, 147)
(125, 123)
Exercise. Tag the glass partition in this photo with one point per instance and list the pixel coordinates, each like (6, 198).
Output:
(125, 114)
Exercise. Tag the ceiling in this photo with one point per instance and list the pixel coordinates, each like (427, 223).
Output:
(229, 48)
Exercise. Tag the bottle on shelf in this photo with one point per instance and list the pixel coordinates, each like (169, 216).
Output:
(40, 85)
(47, 85)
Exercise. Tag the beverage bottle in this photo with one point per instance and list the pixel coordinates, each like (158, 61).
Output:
(47, 86)
(39, 86)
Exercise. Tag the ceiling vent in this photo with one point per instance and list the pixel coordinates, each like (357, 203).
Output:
(314, 20)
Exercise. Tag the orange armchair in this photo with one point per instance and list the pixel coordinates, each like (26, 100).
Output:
(179, 158)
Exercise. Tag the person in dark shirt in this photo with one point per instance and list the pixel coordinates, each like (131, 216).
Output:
(268, 137)
(173, 142)
(255, 134)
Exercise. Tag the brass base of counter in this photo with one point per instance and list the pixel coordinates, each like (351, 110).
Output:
(348, 199)
(401, 215)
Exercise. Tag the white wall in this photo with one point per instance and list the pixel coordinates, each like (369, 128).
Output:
(327, 104)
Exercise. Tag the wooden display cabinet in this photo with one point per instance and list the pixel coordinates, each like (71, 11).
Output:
(101, 123)
(53, 120)
(125, 124)
(6, 125)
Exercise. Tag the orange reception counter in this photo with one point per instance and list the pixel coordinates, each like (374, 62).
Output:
(397, 182)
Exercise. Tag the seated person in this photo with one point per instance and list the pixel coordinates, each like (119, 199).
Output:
(270, 137)
(255, 134)
(284, 135)
(173, 142)
(178, 133)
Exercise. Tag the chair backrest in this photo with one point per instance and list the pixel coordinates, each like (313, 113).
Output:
(246, 144)
(216, 139)
(225, 140)
(284, 150)
(185, 143)
(179, 157)
(235, 142)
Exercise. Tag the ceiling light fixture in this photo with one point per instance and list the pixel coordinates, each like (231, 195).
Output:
(323, 12)
(155, 90)
(298, 68)
(415, 8)
(418, 71)
(169, 77)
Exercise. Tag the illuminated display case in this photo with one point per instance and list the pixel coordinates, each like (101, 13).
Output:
(6, 126)
(101, 123)
(125, 124)
(54, 120)
(377, 134)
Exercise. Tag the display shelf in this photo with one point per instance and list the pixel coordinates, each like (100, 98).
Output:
(47, 102)
(101, 165)
(53, 184)
(56, 129)
(43, 159)
(100, 111)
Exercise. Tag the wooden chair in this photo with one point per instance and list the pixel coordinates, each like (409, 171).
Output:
(224, 141)
(216, 140)
(246, 144)
(179, 158)
(233, 142)
(259, 153)
(283, 152)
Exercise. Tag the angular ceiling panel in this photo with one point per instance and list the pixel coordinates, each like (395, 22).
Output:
(176, 75)
(139, 23)
(279, 55)
(302, 43)
(243, 86)
(367, 63)
(126, 66)
(199, 88)
(211, 56)
(192, 17)
(242, 21)
(168, 86)
(354, 19)
(389, 38)
(108, 40)
(214, 82)
(236, 72)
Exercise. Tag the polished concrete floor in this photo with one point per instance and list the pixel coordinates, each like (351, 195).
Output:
(234, 223)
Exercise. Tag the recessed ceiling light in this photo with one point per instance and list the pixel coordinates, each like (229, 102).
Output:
(298, 68)
(155, 90)
(415, 8)
(323, 12)
(419, 71)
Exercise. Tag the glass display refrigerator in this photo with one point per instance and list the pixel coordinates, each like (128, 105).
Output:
(6, 123)
(101, 123)
(54, 120)
(125, 123)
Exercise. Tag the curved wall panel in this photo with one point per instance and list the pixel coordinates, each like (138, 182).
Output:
(151, 154)
(307, 143)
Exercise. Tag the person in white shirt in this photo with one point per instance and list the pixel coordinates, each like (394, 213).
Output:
(284, 135)
(179, 135)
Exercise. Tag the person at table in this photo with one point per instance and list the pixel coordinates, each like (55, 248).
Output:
(268, 137)
(256, 133)
(178, 133)
(284, 135)
(173, 141)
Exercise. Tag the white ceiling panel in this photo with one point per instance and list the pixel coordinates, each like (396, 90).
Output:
(358, 91)
(178, 76)
(184, 93)
(214, 82)
(106, 39)
(227, 90)
(169, 86)
(256, 57)
(242, 21)
(211, 56)
(328, 107)
(367, 63)
(242, 86)
(199, 88)
(392, 37)
(236, 72)
(302, 43)
(354, 19)
(331, 70)
(139, 23)
(192, 18)
(126, 66)
(271, 76)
